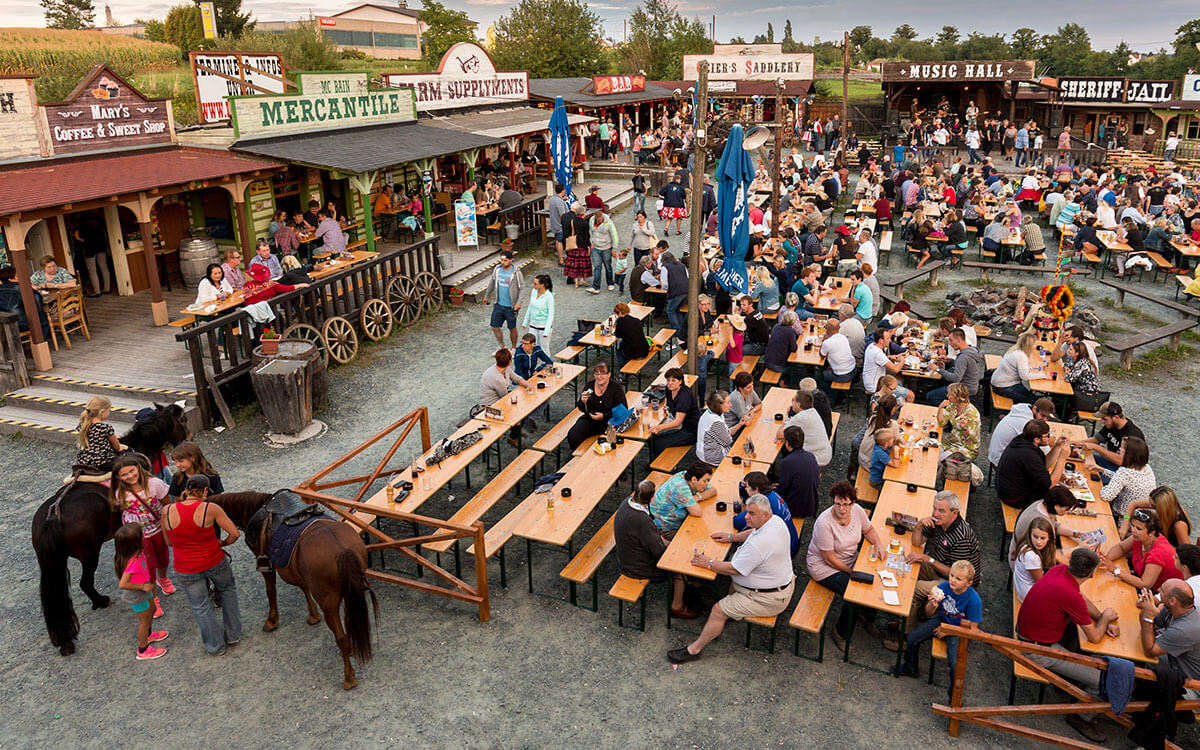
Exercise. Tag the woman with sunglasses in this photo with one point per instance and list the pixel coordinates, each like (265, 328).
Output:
(1151, 556)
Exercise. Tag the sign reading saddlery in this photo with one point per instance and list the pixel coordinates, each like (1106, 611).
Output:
(959, 70)
(105, 112)
(750, 62)
(327, 101)
(465, 78)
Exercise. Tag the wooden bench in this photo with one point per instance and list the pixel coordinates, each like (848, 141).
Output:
(1161, 264)
(628, 590)
(984, 268)
(569, 353)
(669, 458)
(502, 532)
(748, 363)
(183, 323)
(1172, 331)
(1002, 404)
(583, 566)
(929, 269)
(1010, 524)
(488, 495)
(770, 377)
(885, 246)
(914, 311)
(1181, 283)
(810, 615)
(553, 438)
(1123, 289)
(1089, 417)
(635, 366)
(862, 487)
(359, 243)
(762, 622)
(962, 489)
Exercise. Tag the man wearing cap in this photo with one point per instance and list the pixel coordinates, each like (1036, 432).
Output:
(505, 287)
(1106, 444)
(761, 573)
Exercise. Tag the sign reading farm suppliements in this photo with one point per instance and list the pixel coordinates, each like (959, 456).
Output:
(105, 112)
(466, 77)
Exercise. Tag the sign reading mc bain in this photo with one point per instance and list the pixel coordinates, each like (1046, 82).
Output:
(325, 102)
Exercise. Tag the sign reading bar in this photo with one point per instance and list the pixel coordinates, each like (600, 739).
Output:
(602, 85)
(106, 112)
(1091, 89)
(1191, 87)
(466, 77)
(221, 74)
(749, 64)
(327, 21)
(327, 101)
(959, 70)
(1149, 92)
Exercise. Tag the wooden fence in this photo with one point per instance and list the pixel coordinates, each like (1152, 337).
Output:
(525, 216)
(13, 369)
(1043, 157)
(221, 349)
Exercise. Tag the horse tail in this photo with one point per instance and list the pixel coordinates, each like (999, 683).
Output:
(61, 621)
(355, 590)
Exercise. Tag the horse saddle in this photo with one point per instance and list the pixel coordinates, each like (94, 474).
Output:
(278, 524)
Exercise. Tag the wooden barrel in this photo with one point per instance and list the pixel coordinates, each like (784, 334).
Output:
(307, 351)
(195, 255)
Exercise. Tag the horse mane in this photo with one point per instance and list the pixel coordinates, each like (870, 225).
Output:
(150, 435)
(240, 506)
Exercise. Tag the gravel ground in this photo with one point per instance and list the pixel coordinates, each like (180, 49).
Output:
(541, 671)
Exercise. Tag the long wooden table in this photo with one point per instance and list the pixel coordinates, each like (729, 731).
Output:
(921, 466)
(812, 357)
(699, 529)
(840, 290)
(330, 267)
(762, 433)
(526, 401)
(1047, 383)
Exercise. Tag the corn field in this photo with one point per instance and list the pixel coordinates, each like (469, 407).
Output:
(60, 58)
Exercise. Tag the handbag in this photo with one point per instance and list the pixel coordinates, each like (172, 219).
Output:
(570, 242)
(1090, 402)
(957, 467)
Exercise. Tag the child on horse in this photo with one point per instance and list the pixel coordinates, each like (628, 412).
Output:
(97, 442)
(137, 588)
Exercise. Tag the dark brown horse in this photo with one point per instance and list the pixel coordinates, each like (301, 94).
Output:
(330, 566)
(77, 521)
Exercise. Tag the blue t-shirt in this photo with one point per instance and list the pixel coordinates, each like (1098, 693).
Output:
(801, 289)
(779, 508)
(866, 300)
(503, 283)
(897, 153)
(957, 607)
(879, 461)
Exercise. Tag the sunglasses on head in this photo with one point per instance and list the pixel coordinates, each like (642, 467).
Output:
(1141, 515)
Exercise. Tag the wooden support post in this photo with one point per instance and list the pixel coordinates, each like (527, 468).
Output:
(158, 307)
(361, 183)
(933, 276)
(17, 230)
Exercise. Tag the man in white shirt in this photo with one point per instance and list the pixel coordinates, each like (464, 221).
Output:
(808, 419)
(1013, 423)
(839, 357)
(761, 570)
(876, 361)
(867, 252)
(852, 329)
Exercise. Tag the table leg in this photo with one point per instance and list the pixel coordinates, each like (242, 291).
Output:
(850, 631)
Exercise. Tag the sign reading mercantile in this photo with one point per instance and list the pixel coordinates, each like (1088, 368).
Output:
(327, 101)
(466, 77)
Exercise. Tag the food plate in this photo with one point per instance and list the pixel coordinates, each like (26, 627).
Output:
(891, 598)
(888, 579)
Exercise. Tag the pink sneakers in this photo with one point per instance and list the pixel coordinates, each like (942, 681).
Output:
(157, 609)
(151, 652)
(158, 635)
(165, 584)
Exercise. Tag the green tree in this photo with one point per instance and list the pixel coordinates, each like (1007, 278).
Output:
(304, 47)
(789, 42)
(231, 21)
(904, 33)
(770, 33)
(69, 14)
(183, 28)
(661, 37)
(737, 40)
(860, 35)
(1025, 43)
(1066, 52)
(550, 39)
(155, 31)
(946, 43)
(444, 28)
(984, 47)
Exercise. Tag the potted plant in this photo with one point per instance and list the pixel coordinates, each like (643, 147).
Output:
(269, 341)
(456, 296)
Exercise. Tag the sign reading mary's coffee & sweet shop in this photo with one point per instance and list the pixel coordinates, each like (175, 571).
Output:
(105, 112)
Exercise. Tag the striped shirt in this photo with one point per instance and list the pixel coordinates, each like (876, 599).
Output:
(713, 440)
(950, 545)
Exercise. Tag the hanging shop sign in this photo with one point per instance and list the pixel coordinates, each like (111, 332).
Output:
(105, 112)
(326, 101)
(221, 74)
(21, 131)
(745, 63)
(959, 70)
(1149, 92)
(1191, 87)
(466, 77)
(602, 85)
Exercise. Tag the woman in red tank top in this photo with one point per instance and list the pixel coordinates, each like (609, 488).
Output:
(200, 560)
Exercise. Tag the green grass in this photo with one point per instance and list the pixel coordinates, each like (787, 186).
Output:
(1151, 361)
(854, 89)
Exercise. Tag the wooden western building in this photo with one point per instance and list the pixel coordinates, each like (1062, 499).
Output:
(992, 84)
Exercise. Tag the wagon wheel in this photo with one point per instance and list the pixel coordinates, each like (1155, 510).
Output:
(341, 338)
(375, 319)
(305, 332)
(403, 298)
(430, 289)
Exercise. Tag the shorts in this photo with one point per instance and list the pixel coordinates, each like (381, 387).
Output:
(502, 314)
(675, 213)
(558, 237)
(141, 607)
(744, 602)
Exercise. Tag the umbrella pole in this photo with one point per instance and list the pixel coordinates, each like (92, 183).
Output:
(696, 230)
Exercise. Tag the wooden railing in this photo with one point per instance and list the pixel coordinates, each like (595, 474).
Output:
(524, 215)
(221, 349)
(14, 373)
(996, 717)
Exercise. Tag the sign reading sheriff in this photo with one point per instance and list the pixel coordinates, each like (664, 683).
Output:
(326, 101)
(1113, 91)
(750, 62)
(466, 77)
(105, 112)
(959, 70)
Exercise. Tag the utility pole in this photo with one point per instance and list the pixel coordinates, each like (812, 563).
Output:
(845, 75)
(700, 144)
(779, 121)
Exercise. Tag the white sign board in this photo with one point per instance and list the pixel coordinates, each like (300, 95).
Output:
(792, 66)
(261, 72)
(1191, 87)
(329, 102)
(466, 77)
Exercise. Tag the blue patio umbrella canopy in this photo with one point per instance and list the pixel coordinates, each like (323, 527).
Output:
(734, 175)
(560, 146)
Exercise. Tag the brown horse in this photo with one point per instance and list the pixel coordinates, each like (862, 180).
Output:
(329, 565)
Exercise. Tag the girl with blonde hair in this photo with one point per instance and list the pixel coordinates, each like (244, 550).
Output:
(1011, 378)
(139, 497)
(97, 441)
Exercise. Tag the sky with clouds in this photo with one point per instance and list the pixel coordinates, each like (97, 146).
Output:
(1151, 28)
